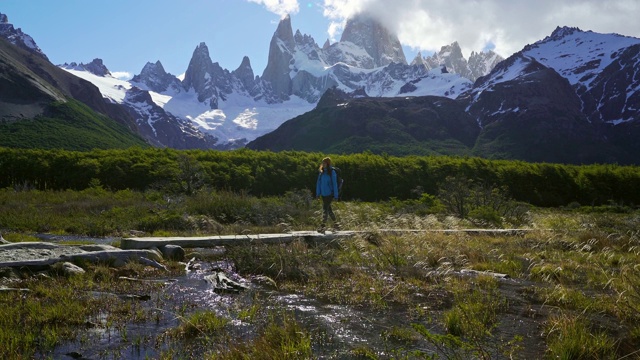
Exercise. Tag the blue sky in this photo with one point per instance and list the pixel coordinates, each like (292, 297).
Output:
(127, 34)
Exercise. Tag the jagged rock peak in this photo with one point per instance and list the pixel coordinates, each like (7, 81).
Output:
(381, 44)
(95, 67)
(284, 32)
(281, 48)
(199, 65)
(244, 73)
(561, 32)
(246, 63)
(155, 77)
(154, 67)
(420, 61)
(304, 40)
(4, 19)
(202, 48)
(326, 45)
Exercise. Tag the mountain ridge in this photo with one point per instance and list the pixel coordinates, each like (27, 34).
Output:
(535, 105)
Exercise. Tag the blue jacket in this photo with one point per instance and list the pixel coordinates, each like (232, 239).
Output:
(327, 185)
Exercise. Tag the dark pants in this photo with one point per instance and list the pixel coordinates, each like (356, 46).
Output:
(326, 209)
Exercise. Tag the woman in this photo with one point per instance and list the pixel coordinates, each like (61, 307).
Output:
(327, 188)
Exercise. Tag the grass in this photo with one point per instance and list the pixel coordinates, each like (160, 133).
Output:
(570, 337)
(51, 310)
(283, 338)
(578, 282)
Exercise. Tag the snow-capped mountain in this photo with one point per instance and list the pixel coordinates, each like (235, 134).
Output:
(573, 97)
(603, 71)
(218, 108)
(238, 106)
(367, 57)
(17, 37)
(154, 124)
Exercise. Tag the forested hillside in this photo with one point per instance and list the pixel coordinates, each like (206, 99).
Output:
(68, 125)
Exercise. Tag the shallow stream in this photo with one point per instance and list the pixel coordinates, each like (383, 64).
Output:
(335, 329)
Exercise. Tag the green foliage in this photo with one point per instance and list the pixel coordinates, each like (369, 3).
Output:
(68, 125)
(483, 204)
(368, 177)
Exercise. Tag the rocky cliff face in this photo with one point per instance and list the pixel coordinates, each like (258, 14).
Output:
(244, 73)
(162, 129)
(281, 50)
(451, 57)
(18, 38)
(369, 34)
(155, 78)
(213, 84)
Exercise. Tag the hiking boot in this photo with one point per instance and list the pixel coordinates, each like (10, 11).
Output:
(322, 229)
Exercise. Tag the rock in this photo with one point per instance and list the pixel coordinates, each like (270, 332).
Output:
(7, 289)
(173, 252)
(41, 255)
(221, 283)
(67, 269)
(488, 273)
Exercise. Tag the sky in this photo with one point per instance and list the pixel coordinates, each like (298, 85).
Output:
(126, 34)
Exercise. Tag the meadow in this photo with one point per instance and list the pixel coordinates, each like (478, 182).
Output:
(568, 287)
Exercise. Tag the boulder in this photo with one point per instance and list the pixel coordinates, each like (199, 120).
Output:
(173, 252)
(68, 269)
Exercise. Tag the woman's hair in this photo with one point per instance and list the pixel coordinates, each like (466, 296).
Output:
(327, 160)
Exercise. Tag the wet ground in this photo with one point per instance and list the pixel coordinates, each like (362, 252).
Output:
(335, 329)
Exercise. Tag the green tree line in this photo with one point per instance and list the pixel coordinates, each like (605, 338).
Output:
(368, 177)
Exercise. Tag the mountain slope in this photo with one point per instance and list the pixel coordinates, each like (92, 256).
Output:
(401, 126)
(38, 100)
(69, 125)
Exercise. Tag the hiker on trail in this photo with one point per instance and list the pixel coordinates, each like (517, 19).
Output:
(327, 189)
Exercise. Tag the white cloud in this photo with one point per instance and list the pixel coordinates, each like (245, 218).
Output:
(279, 7)
(122, 75)
(505, 25)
